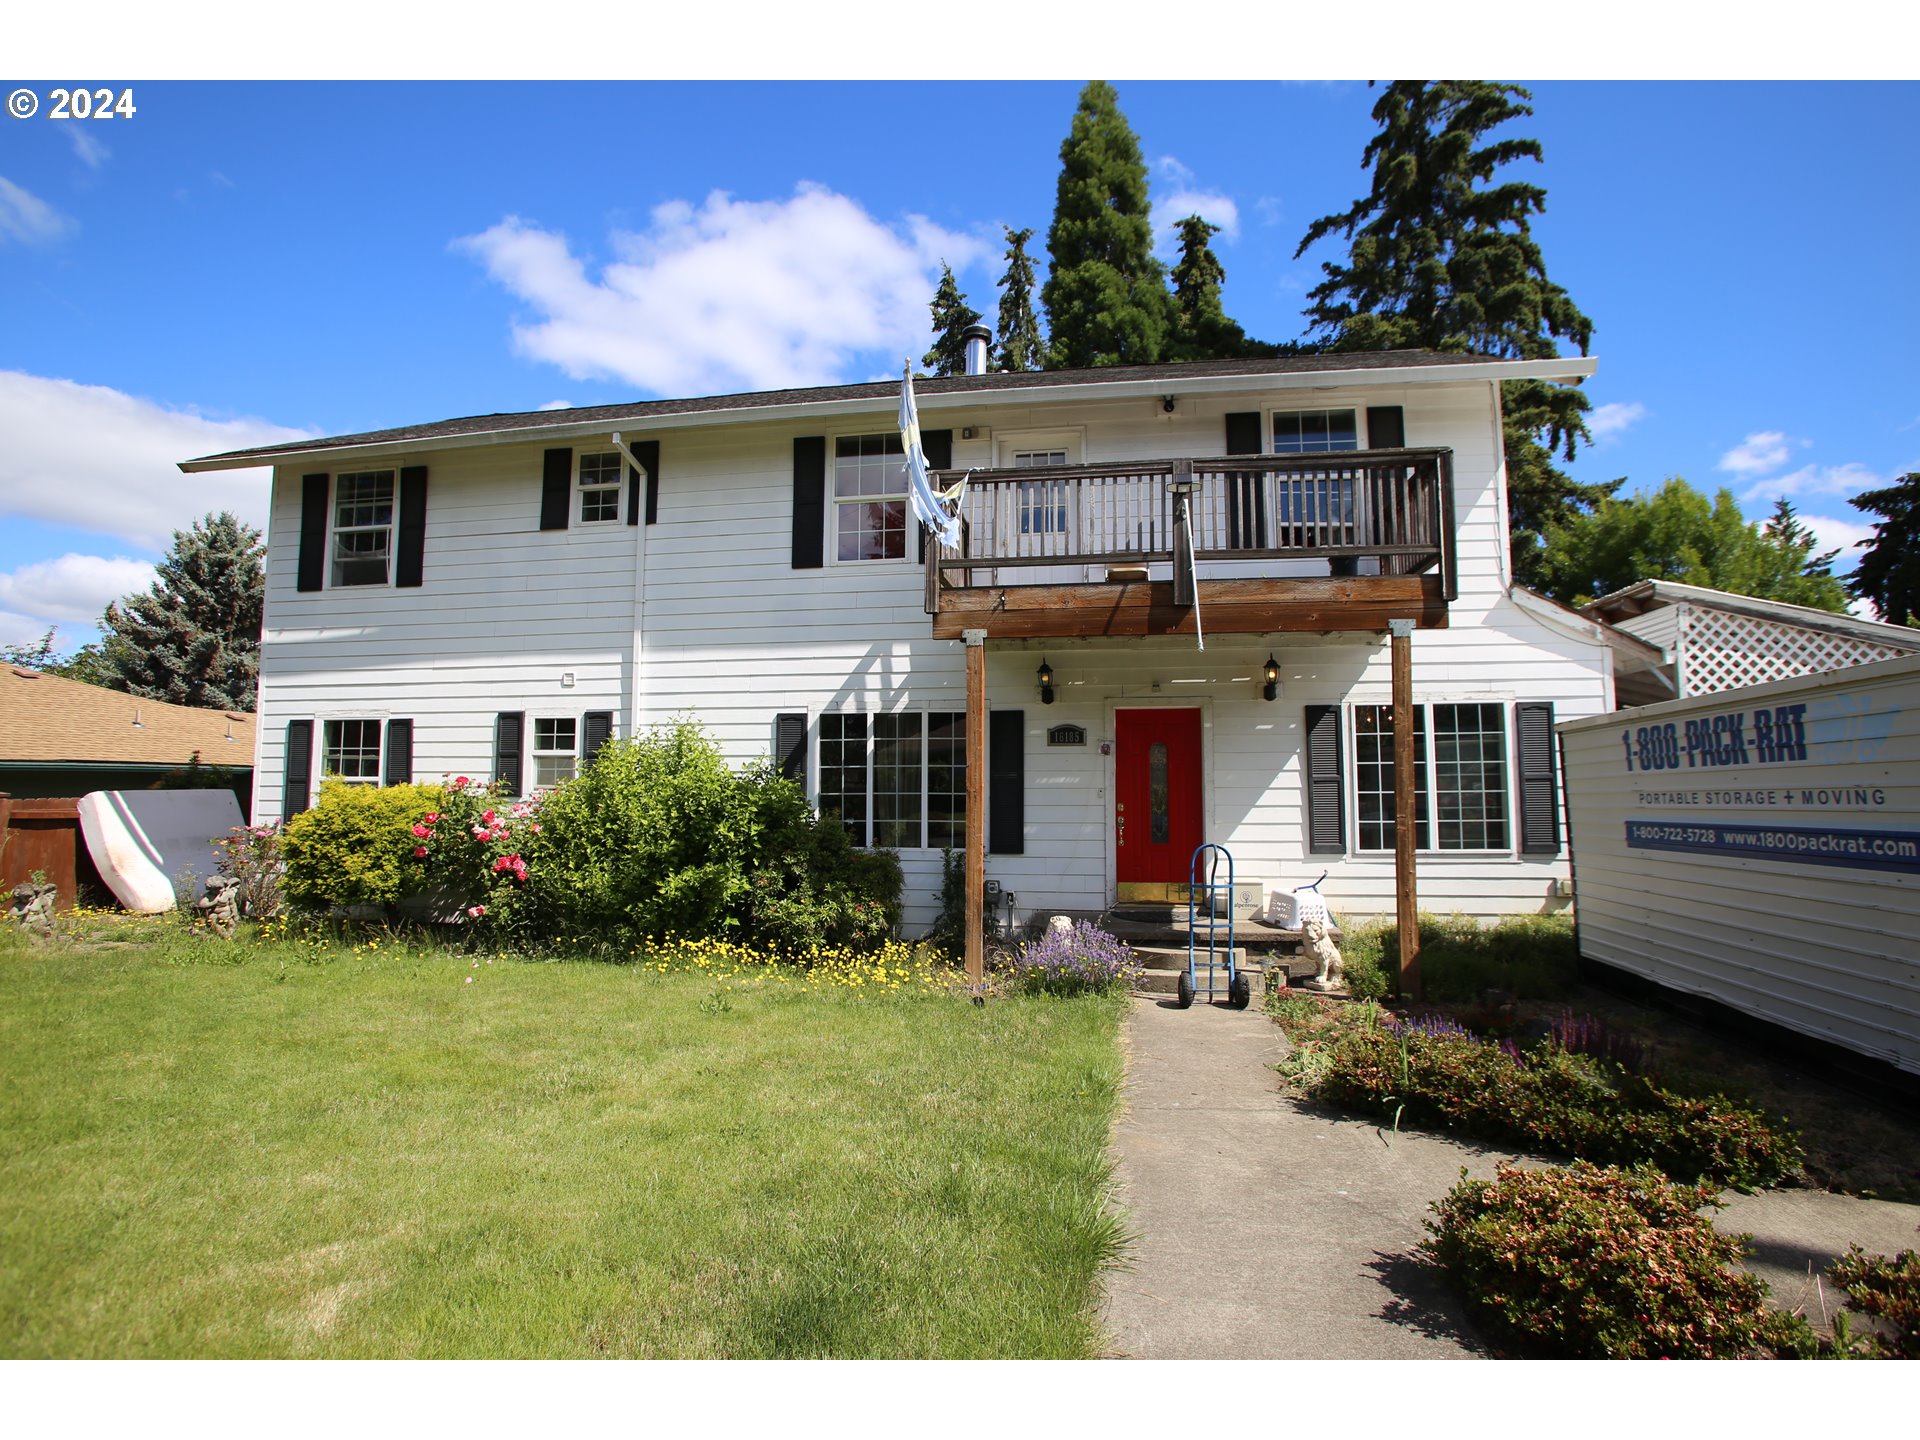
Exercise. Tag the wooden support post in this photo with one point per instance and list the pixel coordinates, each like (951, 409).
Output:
(976, 805)
(1405, 815)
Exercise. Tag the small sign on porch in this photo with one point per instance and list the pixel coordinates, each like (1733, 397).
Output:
(1067, 735)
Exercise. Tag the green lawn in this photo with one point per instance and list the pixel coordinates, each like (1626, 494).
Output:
(363, 1155)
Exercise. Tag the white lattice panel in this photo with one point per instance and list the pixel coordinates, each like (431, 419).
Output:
(1725, 651)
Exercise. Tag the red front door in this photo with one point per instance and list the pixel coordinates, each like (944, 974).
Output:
(1156, 794)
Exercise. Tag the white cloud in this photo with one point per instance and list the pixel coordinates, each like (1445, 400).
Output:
(1840, 533)
(1171, 166)
(1209, 205)
(753, 294)
(91, 149)
(1842, 480)
(27, 218)
(558, 405)
(1269, 210)
(1607, 421)
(73, 588)
(1760, 452)
(105, 461)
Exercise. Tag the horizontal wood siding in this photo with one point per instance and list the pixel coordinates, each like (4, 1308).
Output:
(1831, 950)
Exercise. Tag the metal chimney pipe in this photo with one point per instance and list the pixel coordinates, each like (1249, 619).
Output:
(978, 338)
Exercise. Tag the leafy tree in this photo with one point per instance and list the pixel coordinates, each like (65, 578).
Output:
(1106, 295)
(1442, 258)
(1679, 534)
(87, 664)
(36, 656)
(951, 317)
(1201, 329)
(1889, 571)
(193, 638)
(1021, 347)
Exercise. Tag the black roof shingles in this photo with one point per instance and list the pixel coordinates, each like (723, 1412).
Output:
(882, 389)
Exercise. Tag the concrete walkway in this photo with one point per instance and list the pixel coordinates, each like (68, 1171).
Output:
(1266, 1229)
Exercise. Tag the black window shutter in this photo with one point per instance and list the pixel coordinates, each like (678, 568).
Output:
(297, 768)
(508, 729)
(809, 501)
(399, 752)
(1243, 433)
(1326, 788)
(1007, 782)
(1539, 780)
(595, 731)
(312, 571)
(790, 745)
(410, 559)
(1386, 427)
(556, 486)
(647, 452)
(937, 446)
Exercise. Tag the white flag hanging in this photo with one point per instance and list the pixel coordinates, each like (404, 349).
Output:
(927, 507)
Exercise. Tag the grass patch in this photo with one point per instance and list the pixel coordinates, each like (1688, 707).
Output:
(331, 1150)
(1531, 957)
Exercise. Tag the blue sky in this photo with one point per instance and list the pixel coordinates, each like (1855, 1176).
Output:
(239, 263)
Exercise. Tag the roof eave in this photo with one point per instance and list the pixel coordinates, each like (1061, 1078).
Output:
(1567, 370)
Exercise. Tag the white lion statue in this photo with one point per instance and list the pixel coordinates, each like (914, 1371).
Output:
(1330, 970)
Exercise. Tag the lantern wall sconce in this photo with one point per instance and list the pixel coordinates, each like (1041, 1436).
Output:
(1046, 683)
(1271, 674)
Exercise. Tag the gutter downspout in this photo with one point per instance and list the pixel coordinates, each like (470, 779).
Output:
(635, 690)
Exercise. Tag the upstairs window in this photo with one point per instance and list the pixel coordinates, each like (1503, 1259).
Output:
(363, 528)
(600, 487)
(1309, 432)
(352, 751)
(869, 498)
(1043, 503)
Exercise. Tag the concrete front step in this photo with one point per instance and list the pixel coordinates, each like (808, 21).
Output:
(1167, 982)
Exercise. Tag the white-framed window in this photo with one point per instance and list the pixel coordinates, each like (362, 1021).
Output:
(1462, 784)
(1043, 503)
(556, 751)
(599, 484)
(363, 528)
(870, 519)
(350, 751)
(897, 780)
(1310, 432)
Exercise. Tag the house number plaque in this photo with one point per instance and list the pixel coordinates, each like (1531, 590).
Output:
(1067, 735)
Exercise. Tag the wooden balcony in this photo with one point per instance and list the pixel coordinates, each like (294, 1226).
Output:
(1262, 543)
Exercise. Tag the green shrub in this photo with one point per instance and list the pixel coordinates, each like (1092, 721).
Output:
(657, 836)
(1598, 1263)
(1887, 1292)
(1533, 957)
(1368, 961)
(1551, 1099)
(355, 846)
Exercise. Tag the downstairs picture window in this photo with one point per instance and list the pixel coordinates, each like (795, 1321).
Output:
(1461, 781)
(352, 751)
(896, 781)
(555, 752)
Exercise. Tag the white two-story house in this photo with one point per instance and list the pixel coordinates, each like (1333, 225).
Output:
(496, 595)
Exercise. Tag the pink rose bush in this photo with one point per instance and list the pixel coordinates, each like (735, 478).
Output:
(472, 846)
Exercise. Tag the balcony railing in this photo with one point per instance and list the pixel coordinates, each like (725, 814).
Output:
(1368, 512)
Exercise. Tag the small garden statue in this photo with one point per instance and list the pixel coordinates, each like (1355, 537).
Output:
(32, 906)
(1330, 970)
(219, 908)
(1061, 925)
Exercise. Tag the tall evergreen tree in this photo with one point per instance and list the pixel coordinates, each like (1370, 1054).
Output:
(1106, 295)
(1889, 572)
(1201, 329)
(193, 638)
(1021, 347)
(1442, 258)
(951, 317)
(1677, 533)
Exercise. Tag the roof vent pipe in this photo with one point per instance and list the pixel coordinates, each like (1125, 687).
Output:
(978, 338)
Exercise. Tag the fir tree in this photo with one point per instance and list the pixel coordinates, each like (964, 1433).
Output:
(1889, 572)
(1677, 533)
(1201, 329)
(1106, 295)
(193, 638)
(1442, 258)
(1020, 345)
(951, 317)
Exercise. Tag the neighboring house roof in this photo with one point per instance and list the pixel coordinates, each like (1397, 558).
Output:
(45, 719)
(1632, 656)
(1645, 595)
(933, 393)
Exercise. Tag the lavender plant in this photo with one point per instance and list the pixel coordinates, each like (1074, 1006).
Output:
(1085, 960)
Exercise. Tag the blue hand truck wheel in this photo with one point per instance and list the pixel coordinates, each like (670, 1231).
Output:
(1185, 997)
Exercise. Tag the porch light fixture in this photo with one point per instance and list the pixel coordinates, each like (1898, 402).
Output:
(1270, 672)
(1046, 683)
